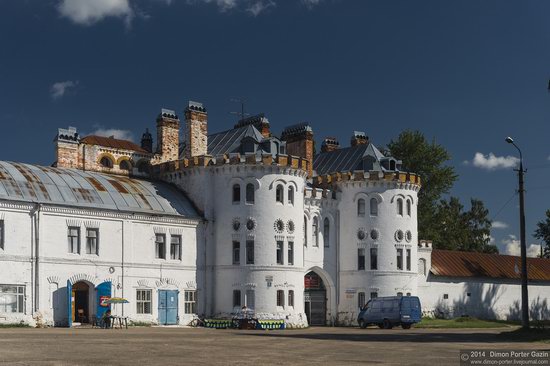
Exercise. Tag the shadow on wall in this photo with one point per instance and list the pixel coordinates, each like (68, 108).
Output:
(59, 301)
(538, 311)
(477, 301)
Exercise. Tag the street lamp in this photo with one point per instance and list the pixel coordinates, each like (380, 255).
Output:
(521, 191)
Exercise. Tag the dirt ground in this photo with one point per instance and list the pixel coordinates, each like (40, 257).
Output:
(182, 346)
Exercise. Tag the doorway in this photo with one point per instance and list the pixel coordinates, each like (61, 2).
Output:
(81, 302)
(168, 307)
(315, 299)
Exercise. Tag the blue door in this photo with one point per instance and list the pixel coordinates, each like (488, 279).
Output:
(168, 307)
(103, 293)
(69, 303)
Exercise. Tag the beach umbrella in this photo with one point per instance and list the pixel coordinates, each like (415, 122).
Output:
(116, 300)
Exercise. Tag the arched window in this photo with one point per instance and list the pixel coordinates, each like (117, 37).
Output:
(374, 207)
(422, 266)
(305, 230)
(400, 207)
(409, 207)
(279, 193)
(326, 232)
(143, 167)
(236, 193)
(315, 229)
(124, 165)
(291, 195)
(250, 193)
(106, 162)
(361, 207)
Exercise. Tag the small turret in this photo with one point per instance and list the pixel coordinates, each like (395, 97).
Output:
(147, 141)
(359, 138)
(330, 144)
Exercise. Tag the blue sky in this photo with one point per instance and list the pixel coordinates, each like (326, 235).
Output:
(466, 73)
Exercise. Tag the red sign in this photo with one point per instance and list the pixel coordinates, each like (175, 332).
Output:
(102, 300)
(312, 281)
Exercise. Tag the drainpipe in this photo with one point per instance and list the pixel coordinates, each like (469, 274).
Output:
(337, 260)
(122, 266)
(35, 214)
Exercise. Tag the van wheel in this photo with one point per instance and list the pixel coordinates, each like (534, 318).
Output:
(387, 324)
(362, 324)
(406, 326)
(380, 325)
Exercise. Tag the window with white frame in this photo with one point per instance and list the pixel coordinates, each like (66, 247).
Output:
(291, 195)
(281, 298)
(144, 302)
(408, 259)
(250, 252)
(315, 229)
(291, 298)
(2, 230)
(160, 246)
(374, 207)
(250, 193)
(250, 299)
(361, 300)
(236, 193)
(360, 207)
(290, 253)
(280, 252)
(12, 299)
(409, 203)
(400, 259)
(400, 206)
(279, 193)
(236, 252)
(236, 298)
(92, 241)
(175, 247)
(73, 237)
(190, 301)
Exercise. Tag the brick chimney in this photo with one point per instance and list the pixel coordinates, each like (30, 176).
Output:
(196, 124)
(330, 144)
(359, 138)
(299, 142)
(168, 128)
(66, 148)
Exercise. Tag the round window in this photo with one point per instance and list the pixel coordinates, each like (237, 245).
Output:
(361, 234)
(290, 226)
(399, 235)
(374, 234)
(408, 236)
(236, 224)
(279, 226)
(250, 224)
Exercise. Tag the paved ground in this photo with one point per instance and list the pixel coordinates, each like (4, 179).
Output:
(177, 346)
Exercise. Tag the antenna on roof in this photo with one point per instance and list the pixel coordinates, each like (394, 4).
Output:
(241, 114)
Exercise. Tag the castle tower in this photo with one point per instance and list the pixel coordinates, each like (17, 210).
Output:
(196, 125)
(168, 126)
(147, 141)
(66, 148)
(330, 144)
(299, 142)
(359, 138)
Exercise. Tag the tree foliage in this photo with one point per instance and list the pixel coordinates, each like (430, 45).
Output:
(443, 221)
(543, 233)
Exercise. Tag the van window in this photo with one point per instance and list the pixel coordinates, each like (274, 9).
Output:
(415, 303)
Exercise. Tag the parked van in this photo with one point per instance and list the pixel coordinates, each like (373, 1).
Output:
(389, 311)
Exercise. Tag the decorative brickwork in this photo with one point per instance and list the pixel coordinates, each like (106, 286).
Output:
(299, 142)
(168, 126)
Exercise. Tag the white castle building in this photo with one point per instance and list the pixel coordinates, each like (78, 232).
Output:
(220, 221)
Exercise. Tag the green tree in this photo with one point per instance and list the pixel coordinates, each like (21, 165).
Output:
(429, 160)
(543, 233)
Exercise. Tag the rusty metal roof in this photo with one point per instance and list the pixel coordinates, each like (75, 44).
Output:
(77, 188)
(113, 143)
(450, 263)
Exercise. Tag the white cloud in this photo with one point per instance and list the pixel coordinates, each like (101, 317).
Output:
(512, 247)
(59, 89)
(116, 133)
(311, 3)
(492, 162)
(257, 7)
(87, 12)
(499, 225)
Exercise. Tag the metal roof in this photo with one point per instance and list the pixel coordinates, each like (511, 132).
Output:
(77, 188)
(113, 143)
(230, 141)
(348, 159)
(450, 263)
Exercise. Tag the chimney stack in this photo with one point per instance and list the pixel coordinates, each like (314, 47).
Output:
(66, 148)
(359, 138)
(330, 144)
(299, 142)
(196, 124)
(168, 128)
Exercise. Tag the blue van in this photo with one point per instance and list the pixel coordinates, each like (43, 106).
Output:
(389, 311)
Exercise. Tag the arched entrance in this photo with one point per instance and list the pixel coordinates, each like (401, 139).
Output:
(81, 302)
(315, 299)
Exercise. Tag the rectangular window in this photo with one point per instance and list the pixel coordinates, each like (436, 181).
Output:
(236, 298)
(1, 234)
(408, 259)
(236, 252)
(373, 258)
(175, 247)
(361, 300)
(280, 252)
(74, 240)
(92, 241)
(291, 298)
(143, 301)
(360, 259)
(190, 302)
(281, 298)
(12, 299)
(373, 295)
(250, 252)
(250, 299)
(160, 246)
(400, 259)
(291, 253)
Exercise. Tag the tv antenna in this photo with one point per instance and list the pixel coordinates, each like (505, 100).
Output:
(242, 113)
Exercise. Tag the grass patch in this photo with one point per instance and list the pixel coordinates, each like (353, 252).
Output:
(139, 324)
(526, 335)
(462, 322)
(14, 325)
